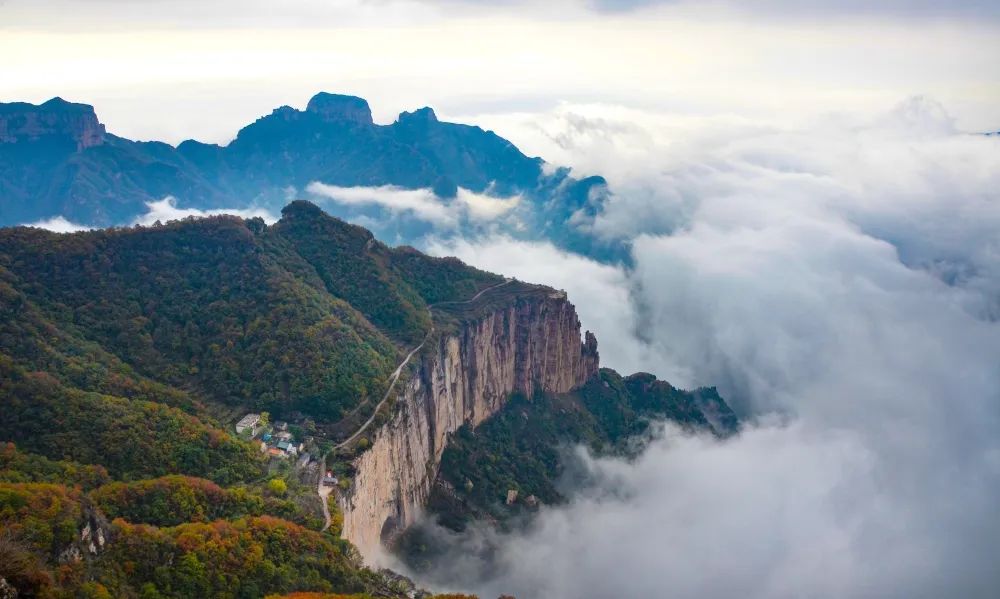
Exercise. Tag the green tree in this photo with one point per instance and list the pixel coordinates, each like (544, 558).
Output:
(277, 486)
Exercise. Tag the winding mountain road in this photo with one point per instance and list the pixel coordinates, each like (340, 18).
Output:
(323, 491)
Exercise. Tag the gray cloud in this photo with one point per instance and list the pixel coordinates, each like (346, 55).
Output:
(819, 7)
(839, 282)
(789, 8)
(312, 13)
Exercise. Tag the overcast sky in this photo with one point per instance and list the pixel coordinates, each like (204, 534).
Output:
(174, 69)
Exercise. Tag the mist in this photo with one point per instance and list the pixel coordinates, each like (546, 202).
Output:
(839, 282)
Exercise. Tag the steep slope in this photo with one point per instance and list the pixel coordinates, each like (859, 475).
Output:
(308, 315)
(501, 472)
(124, 354)
(533, 344)
(523, 448)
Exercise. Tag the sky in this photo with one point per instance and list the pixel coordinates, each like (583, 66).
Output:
(813, 223)
(205, 69)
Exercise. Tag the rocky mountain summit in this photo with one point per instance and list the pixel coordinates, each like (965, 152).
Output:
(57, 160)
(55, 121)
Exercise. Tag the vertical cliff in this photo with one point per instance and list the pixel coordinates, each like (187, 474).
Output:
(55, 118)
(533, 344)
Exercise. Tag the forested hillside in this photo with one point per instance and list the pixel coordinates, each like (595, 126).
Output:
(307, 315)
(124, 354)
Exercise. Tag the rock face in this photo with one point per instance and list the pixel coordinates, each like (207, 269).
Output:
(338, 107)
(21, 122)
(533, 345)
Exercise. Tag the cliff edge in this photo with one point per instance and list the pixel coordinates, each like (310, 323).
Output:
(533, 344)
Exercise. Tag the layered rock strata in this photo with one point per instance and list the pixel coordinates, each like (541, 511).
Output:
(532, 345)
(55, 118)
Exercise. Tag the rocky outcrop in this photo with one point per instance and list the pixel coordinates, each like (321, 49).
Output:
(532, 345)
(20, 122)
(337, 107)
(419, 116)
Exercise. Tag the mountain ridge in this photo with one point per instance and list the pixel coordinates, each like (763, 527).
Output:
(57, 160)
(127, 354)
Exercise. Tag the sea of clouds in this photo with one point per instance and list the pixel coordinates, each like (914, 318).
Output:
(840, 283)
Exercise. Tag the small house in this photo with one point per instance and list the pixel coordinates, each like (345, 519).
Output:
(248, 423)
(280, 425)
(283, 445)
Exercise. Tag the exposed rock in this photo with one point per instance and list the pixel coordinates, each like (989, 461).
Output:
(93, 537)
(418, 116)
(533, 345)
(70, 555)
(23, 122)
(6, 590)
(337, 107)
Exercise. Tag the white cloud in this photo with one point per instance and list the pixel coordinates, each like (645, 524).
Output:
(600, 292)
(481, 207)
(58, 224)
(163, 211)
(844, 275)
(166, 210)
(422, 204)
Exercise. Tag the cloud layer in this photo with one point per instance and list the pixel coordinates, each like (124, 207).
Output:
(421, 204)
(840, 284)
(162, 211)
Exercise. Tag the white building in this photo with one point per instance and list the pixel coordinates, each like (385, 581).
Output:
(248, 423)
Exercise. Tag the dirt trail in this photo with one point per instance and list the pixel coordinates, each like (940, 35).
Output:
(324, 491)
(399, 369)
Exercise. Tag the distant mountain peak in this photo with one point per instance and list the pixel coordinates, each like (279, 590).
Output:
(332, 141)
(24, 122)
(302, 208)
(338, 107)
(57, 103)
(420, 115)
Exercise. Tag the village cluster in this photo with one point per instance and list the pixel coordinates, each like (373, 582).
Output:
(275, 438)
